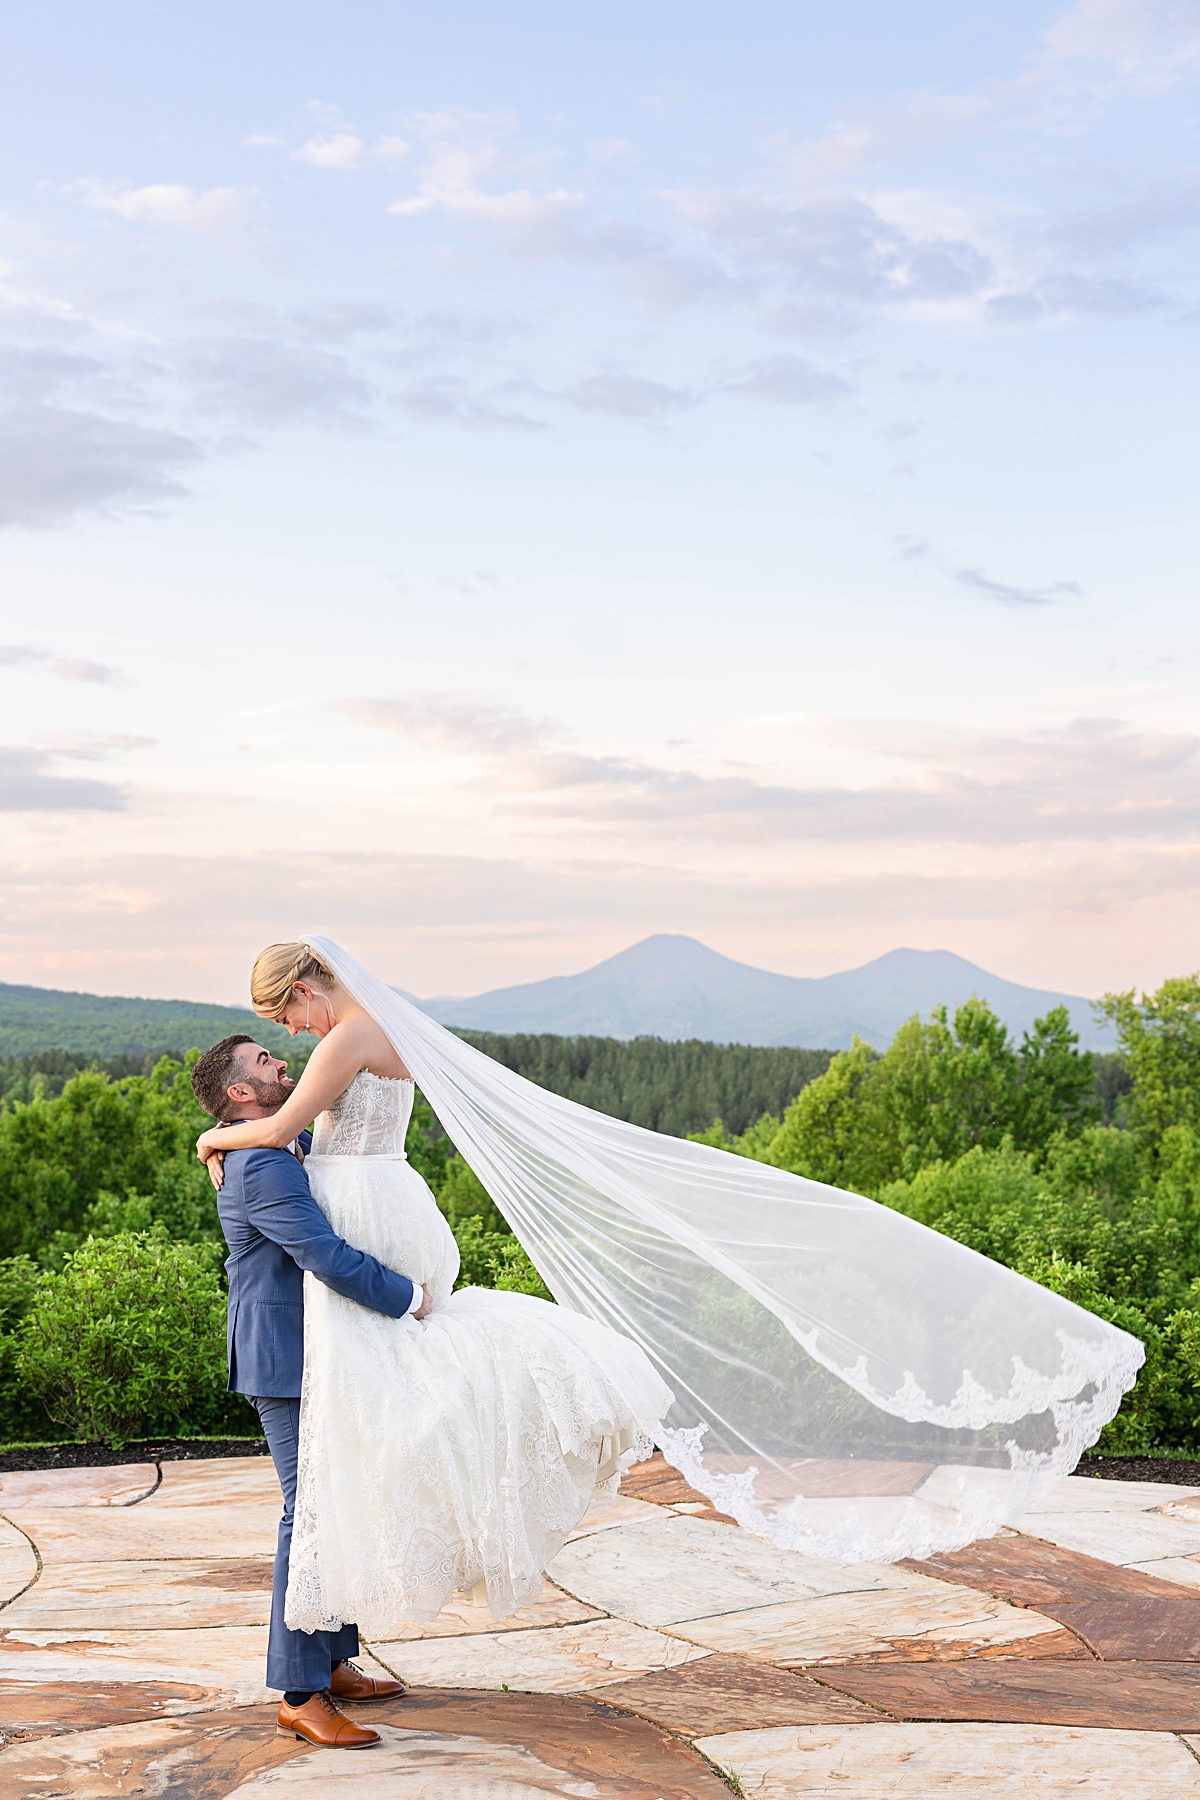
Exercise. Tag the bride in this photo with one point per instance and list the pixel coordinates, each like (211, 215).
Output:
(439, 1454)
(836, 1377)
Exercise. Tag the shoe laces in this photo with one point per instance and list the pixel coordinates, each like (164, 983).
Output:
(352, 1666)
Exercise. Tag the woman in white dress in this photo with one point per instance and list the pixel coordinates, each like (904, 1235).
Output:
(836, 1377)
(440, 1454)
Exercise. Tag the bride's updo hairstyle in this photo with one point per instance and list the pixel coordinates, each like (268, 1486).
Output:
(275, 974)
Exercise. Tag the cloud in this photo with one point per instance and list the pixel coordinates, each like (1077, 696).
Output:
(461, 150)
(265, 382)
(346, 150)
(69, 668)
(449, 721)
(95, 746)
(162, 923)
(447, 400)
(171, 203)
(978, 583)
(341, 320)
(628, 397)
(1091, 780)
(836, 248)
(1152, 43)
(779, 380)
(27, 785)
(78, 668)
(787, 381)
(1093, 50)
(60, 455)
(339, 150)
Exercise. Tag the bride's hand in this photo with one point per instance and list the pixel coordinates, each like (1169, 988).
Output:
(216, 1169)
(206, 1144)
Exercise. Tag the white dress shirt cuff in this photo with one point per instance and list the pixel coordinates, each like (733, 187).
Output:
(418, 1298)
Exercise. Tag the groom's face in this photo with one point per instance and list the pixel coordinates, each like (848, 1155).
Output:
(262, 1079)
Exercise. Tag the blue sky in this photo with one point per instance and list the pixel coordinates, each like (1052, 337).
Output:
(490, 484)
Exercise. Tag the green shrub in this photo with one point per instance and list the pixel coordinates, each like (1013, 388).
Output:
(127, 1336)
(754, 1142)
(511, 1269)
(463, 1196)
(21, 1415)
(1163, 1409)
(988, 1199)
(478, 1250)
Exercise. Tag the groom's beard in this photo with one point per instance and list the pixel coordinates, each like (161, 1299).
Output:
(270, 1094)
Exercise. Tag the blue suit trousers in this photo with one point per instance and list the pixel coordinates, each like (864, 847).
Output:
(296, 1660)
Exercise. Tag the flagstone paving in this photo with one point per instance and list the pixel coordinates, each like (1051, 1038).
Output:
(667, 1651)
(971, 1762)
(120, 1485)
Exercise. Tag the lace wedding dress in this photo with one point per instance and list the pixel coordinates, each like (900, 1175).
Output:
(461, 1449)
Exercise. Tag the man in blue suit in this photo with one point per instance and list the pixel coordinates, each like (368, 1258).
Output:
(276, 1231)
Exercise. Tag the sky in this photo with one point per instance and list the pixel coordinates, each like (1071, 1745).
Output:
(492, 483)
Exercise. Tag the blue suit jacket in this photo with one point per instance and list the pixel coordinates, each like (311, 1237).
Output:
(275, 1231)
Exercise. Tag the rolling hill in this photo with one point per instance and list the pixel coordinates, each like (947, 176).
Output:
(33, 1019)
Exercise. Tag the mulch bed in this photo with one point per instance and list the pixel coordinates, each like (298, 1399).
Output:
(98, 1456)
(1141, 1468)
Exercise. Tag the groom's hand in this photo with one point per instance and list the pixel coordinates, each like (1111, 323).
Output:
(426, 1307)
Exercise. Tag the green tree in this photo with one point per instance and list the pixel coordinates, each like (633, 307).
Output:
(1057, 1083)
(1104, 1166)
(428, 1148)
(831, 1131)
(974, 1077)
(1159, 1037)
(135, 1136)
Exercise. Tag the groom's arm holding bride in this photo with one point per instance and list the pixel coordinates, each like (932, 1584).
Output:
(278, 1202)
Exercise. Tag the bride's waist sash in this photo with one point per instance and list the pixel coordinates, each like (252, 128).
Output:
(369, 1156)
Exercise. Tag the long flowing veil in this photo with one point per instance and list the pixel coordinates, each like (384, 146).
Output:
(848, 1382)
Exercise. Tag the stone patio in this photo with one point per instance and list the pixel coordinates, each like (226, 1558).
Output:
(670, 1656)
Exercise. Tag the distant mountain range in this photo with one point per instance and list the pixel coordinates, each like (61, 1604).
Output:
(675, 987)
(669, 987)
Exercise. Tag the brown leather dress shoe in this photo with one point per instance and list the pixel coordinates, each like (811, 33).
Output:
(349, 1683)
(318, 1721)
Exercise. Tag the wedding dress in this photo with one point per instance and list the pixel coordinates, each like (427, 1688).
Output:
(460, 1449)
(846, 1382)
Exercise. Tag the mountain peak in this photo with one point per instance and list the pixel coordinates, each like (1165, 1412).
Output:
(672, 986)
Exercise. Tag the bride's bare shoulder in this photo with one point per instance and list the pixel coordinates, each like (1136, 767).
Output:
(370, 1045)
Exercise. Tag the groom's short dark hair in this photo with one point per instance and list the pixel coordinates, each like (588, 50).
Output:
(214, 1073)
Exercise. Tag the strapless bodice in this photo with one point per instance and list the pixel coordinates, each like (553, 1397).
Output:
(369, 1119)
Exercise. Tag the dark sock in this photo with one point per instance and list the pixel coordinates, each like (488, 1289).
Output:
(299, 1696)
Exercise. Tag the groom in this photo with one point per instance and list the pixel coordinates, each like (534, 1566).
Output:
(275, 1231)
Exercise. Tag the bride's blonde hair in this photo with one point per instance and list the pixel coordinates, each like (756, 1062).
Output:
(276, 971)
